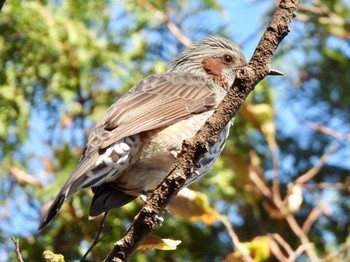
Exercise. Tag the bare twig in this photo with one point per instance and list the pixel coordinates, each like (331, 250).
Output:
(325, 15)
(97, 238)
(246, 79)
(18, 251)
(282, 206)
(316, 168)
(300, 250)
(276, 194)
(276, 239)
(327, 131)
(164, 18)
(293, 224)
(315, 213)
(282, 243)
(235, 240)
(276, 251)
(23, 178)
(253, 175)
(325, 185)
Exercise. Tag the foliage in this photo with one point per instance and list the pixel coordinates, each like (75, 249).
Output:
(280, 183)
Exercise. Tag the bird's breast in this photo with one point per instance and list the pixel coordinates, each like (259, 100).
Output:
(159, 150)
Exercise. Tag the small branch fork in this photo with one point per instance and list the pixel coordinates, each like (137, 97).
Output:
(164, 18)
(246, 79)
(18, 250)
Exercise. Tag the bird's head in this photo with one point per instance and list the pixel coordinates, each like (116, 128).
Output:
(215, 58)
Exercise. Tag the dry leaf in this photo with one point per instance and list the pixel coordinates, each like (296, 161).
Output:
(155, 242)
(261, 116)
(193, 206)
(23, 177)
(233, 258)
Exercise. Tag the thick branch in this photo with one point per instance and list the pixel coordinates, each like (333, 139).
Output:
(245, 82)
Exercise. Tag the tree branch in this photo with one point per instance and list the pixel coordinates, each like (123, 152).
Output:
(235, 240)
(164, 18)
(246, 79)
(18, 250)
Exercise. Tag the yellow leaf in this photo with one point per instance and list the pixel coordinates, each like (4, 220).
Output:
(259, 249)
(52, 257)
(193, 206)
(261, 116)
(155, 242)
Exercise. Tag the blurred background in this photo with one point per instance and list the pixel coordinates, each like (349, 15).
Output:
(281, 187)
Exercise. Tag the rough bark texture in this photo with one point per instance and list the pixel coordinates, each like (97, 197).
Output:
(245, 82)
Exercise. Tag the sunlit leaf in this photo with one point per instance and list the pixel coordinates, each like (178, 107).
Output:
(193, 206)
(52, 257)
(154, 242)
(258, 249)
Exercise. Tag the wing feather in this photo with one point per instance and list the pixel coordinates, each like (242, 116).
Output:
(156, 102)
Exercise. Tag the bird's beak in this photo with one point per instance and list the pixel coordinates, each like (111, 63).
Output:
(274, 72)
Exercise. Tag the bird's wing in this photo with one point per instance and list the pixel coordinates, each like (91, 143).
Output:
(157, 101)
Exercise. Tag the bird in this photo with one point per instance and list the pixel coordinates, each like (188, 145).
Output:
(133, 145)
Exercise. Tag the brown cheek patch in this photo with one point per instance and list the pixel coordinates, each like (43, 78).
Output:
(213, 67)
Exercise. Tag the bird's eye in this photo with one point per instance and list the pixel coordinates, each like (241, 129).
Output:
(228, 59)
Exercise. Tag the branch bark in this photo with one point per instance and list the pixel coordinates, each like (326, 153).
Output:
(18, 250)
(246, 79)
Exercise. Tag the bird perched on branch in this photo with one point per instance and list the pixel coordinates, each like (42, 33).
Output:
(134, 144)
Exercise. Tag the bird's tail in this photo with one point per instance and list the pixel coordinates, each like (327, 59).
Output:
(68, 190)
(53, 210)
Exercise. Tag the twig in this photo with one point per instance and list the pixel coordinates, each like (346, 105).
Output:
(315, 213)
(97, 238)
(299, 232)
(315, 169)
(276, 194)
(292, 255)
(245, 81)
(283, 243)
(18, 251)
(302, 236)
(235, 240)
(299, 251)
(326, 16)
(327, 131)
(325, 185)
(253, 175)
(166, 20)
(276, 250)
